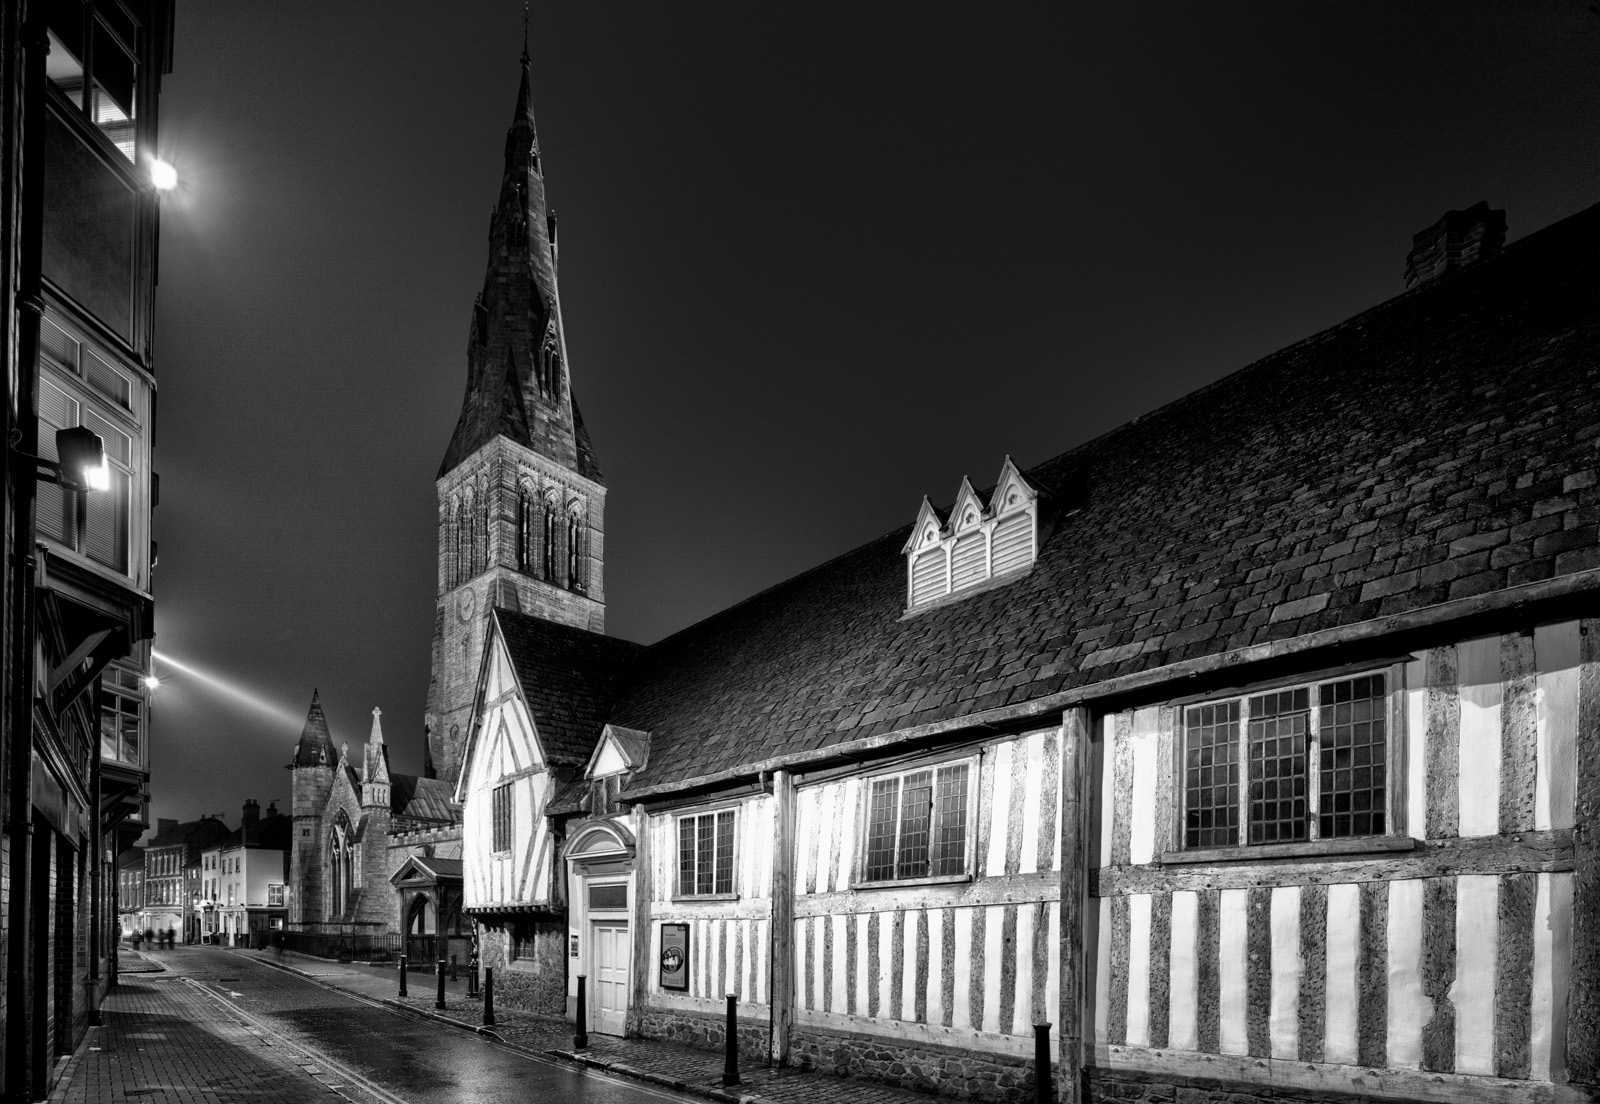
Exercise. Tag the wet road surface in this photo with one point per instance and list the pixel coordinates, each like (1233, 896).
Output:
(378, 1054)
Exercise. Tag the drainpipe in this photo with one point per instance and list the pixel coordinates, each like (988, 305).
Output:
(30, 309)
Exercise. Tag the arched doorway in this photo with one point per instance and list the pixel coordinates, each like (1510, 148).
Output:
(599, 858)
(421, 929)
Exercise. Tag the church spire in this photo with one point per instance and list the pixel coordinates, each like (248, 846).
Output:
(518, 385)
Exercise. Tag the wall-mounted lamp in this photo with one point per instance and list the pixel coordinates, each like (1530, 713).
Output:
(80, 464)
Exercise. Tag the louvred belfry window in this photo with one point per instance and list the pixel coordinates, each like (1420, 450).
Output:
(705, 854)
(981, 543)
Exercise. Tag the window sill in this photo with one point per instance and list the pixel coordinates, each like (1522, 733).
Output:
(895, 883)
(691, 898)
(1306, 849)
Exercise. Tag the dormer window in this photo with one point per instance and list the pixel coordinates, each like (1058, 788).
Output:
(976, 544)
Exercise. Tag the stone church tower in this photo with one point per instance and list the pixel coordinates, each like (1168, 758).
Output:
(521, 502)
(313, 766)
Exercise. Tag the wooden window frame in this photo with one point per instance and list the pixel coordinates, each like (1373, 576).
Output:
(974, 763)
(502, 820)
(732, 894)
(1396, 833)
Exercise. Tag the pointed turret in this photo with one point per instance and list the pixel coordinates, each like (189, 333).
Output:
(375, 767)
(517, 381)
(315, 748)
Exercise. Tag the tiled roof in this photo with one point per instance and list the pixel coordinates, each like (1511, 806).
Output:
(1439, 446)
(570, 677)
(420, 798)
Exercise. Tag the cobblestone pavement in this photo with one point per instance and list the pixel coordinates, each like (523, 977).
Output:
(165, 1041)
(695, 1071)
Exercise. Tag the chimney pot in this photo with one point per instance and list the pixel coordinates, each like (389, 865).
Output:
(1456, 240)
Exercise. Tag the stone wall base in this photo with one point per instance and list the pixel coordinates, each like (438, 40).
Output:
(947, 1071)
(539, 985)
(1128, 1087)
(704, 1031)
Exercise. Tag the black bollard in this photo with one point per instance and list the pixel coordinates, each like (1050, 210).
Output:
(730, 1045)
(1043, 1090)
(402, 975)
(438, 1002)
(488, 996)
(580, 1037)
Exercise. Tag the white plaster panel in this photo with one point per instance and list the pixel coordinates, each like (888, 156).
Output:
(1183, 1031)
(846, 832)
(1139, 969)
(961, 965)
(1022, 1007)
(1556, 659)
(1057, 746)
(1032, 815)
(938, 963)
(993, 952)
(858, 969)
(1478, 667)
(1232, 962)
(841, 960)
(1416, 749)
(1409, 1009)
(1477, 931)
(1286, 970)
(1343, 995)
(1052, 981)
(1146, 735)
(1552, 968)
(998, 762)
(1107, 789)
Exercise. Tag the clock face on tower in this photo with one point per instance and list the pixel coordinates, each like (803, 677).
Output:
(465, 605)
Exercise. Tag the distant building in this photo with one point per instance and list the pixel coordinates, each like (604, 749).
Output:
(243, 880)
(130, 892)
(169, 899)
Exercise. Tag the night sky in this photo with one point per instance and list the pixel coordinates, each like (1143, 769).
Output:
(814, 266)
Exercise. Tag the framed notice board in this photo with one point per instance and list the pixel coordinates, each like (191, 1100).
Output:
(675, 956)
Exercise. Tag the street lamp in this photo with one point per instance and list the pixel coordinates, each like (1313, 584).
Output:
(163, 175)
(80, 463)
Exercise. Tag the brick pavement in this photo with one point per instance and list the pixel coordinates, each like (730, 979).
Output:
(165, 1041)
(669, 1064)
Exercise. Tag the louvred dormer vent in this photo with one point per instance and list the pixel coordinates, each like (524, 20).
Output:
(974, 544)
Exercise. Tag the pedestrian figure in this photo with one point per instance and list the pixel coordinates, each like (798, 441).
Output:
(172, 939)
(277, 941)
(149, 935)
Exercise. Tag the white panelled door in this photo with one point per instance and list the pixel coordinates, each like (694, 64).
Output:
(612, 950)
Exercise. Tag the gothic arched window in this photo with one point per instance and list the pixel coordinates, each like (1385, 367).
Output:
(574, 552)
(548, 559)
(524, 528)
(340, 878)
(469, 521)
(458, 535)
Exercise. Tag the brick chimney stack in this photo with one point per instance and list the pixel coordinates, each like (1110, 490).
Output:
(252, 811)
(1458, 239)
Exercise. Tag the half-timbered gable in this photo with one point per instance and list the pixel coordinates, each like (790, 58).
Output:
(543, 692)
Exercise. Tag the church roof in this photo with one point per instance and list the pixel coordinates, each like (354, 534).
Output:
(569, 677)
(315, 747)
(1439, 447)
(420, 798)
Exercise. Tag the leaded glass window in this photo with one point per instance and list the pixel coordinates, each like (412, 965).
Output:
(917, 824)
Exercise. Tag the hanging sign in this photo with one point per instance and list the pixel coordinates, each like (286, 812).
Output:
(675, 956)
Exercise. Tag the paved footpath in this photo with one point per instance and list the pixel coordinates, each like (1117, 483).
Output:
(684, 1068)
(169, 1041)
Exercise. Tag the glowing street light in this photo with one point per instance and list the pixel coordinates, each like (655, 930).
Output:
(163, 175)
(151, 682)
(81, 460)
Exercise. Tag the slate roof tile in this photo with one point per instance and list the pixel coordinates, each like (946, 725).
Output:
(569, 675)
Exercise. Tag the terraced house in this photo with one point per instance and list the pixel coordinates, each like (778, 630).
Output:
(1253, 745)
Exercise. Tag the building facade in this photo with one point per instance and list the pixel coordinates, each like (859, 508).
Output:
(243, 881)
(1253, 746)
(172, 864)
(79, 97)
